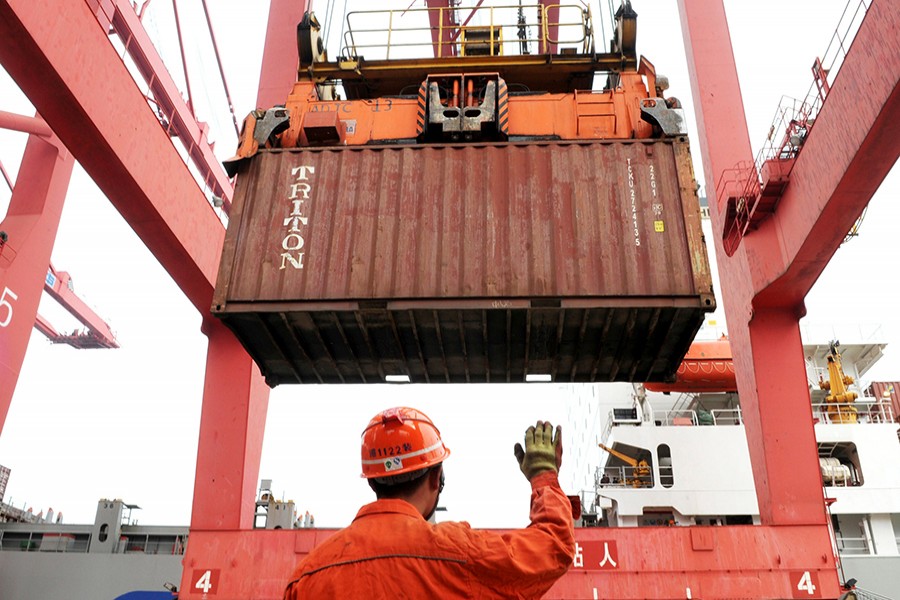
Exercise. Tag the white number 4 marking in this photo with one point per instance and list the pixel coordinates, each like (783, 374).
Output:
(805, 584)
(4, 303)
(205, 582)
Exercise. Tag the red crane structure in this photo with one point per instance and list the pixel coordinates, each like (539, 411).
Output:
(765, 277)
(96, 332)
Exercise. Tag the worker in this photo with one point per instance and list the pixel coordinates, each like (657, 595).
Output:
(393, 550)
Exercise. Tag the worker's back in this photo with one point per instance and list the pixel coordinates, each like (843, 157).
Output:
(390, 551)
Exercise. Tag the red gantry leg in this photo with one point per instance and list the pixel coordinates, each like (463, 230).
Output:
(848, 153)
(28, 234)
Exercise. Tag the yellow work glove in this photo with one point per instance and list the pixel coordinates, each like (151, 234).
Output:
(543, 450)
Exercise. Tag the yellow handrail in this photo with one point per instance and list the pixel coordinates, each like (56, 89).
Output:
(379, 40)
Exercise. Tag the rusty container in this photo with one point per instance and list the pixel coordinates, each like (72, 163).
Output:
(466, 263)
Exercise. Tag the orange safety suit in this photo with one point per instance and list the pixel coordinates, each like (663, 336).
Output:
(391, 551)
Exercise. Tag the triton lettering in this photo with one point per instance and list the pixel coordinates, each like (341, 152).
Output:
(296, 220)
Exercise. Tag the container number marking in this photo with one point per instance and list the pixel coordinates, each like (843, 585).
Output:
(805, 584)
(206, 580)
(7, 305)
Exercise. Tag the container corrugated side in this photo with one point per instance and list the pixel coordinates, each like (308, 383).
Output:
(584, 261)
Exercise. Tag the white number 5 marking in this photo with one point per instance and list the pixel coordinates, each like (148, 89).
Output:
(4, 303)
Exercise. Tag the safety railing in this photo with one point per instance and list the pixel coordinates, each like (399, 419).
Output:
(623, 477)
(717, 416)
(675, 417)
(727, 416)
(852, 545)
(604, 437)
(794, 118)
(861, 411)
(790, 127)
(152, 544)
(31, 541)
(486, 30)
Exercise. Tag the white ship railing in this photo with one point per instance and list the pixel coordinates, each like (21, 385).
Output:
(852, 545)
(622, 477)
(679, 418)
(32, 541)
(675, 417)
(727, 416)
(719, 416)
(63, 542)
(608, 429)
(875, 411)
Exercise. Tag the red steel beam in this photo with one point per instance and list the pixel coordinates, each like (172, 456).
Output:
(30, 225)
(771, 378)
(550, 9)
(45, 327)
(59, 285)
(63, 61)
(65, 64)
(650, 562)
(232, 424)
(848, 153)
(119, 16)
(235, 397)
(30, 125)
(852, 146)
(280, 59)
(443, 31)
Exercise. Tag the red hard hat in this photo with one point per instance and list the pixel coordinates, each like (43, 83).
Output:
(400, 440)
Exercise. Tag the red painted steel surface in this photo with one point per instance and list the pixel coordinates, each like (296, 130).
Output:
(766, 343)
(844, 159)
(232, 424)
(467, 263)
(120, 15)
(96, 334)
(647, 562)
(279, 63)
(31, 222)
(32, 125)
(63, 61)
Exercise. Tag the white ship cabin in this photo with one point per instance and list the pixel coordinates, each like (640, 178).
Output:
(681, 459)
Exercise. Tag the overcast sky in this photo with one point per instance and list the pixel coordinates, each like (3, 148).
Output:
(123, 423)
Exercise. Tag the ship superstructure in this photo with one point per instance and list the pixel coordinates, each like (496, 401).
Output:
(680, 458)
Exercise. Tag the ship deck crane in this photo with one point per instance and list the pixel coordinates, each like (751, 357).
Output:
(640, 468)
(839, 399)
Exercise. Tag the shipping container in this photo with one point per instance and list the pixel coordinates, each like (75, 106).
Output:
(467, 263)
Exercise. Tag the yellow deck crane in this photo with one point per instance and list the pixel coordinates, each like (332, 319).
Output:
(640, 468)
(839, 400)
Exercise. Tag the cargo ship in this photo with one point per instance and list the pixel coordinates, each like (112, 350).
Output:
(678, 456)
